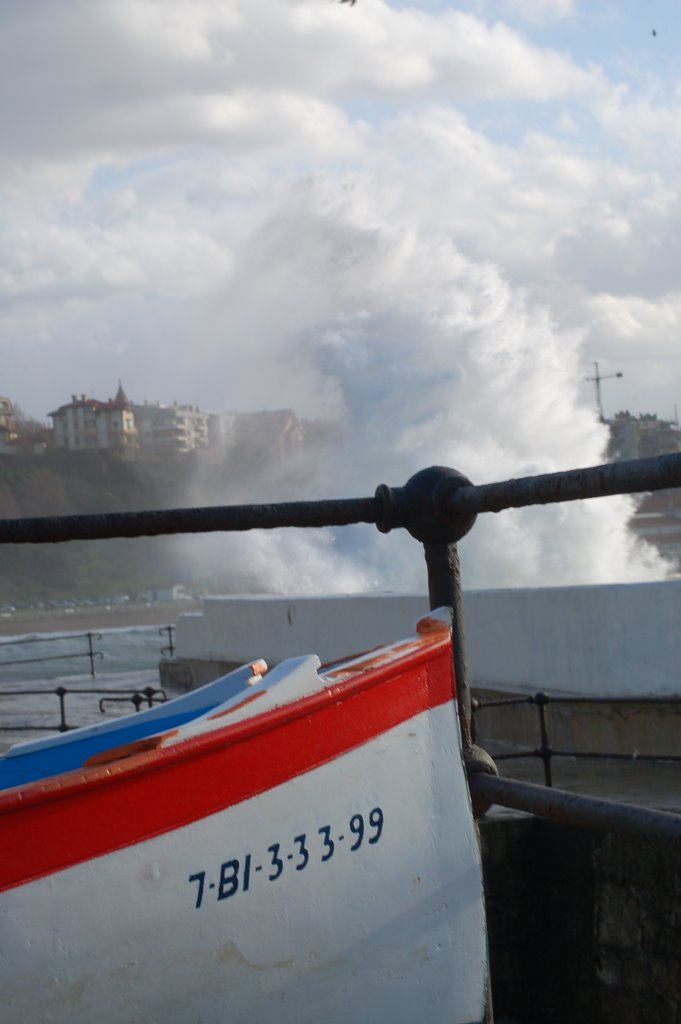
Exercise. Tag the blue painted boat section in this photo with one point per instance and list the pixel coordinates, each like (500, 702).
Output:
(40, 764)
(65, 752)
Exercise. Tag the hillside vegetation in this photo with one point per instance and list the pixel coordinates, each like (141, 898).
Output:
(67, 484)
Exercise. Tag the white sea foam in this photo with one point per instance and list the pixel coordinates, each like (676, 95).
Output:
(429, 357)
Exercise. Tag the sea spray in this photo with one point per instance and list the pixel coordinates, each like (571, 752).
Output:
(427, 357)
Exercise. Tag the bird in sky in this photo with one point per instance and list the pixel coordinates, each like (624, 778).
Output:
(653, 32)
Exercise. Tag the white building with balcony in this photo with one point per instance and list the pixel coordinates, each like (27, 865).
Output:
(172, 429)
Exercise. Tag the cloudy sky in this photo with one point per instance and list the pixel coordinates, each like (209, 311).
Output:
(430, 217)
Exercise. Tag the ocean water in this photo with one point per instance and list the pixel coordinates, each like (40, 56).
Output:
(33, 666)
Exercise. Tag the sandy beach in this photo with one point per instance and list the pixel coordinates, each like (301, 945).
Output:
(83, 620)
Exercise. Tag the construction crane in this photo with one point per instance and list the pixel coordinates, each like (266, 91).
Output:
(597, 378)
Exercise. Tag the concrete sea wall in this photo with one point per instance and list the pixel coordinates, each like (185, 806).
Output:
(612, 640)
(615, 640)
(234, 630)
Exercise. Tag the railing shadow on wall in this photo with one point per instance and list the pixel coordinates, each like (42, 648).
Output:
(438, 506)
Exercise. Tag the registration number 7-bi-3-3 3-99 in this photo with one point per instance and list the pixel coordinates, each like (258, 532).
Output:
(238, 874)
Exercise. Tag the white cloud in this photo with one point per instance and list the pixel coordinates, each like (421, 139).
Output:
(135, 76)
(641, 122)
(632, 324)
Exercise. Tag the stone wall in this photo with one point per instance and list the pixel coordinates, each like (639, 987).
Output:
(583, 926)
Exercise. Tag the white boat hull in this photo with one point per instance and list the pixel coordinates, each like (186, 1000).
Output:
(348, 892)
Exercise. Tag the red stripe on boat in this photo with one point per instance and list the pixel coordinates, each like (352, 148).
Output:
(57, 823)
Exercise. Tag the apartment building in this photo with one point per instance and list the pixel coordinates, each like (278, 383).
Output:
(638, 437)
(6, 415)
(657, 521)
(152, 429)
(172, 429)
(7, 432)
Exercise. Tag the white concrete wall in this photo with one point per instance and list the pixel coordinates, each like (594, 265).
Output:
(620, 640)
(241, 629)
(615, 640)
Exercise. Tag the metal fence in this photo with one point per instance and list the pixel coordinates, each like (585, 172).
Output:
(546, 752)
(91, 654)
(437, 506)
(136, 697)
(148, 696)
(169, 650)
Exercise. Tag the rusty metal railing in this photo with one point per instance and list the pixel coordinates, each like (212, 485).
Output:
(574, 809)
(91, 654)
(437, 506)
(149, 695)
(545, 752)
(169, 650)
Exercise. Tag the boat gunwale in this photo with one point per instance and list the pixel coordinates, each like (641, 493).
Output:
(77, 781)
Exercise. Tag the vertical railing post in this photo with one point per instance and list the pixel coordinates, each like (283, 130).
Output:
(170, 649)
(91, 655)
(421, 507)
(61, 693)
(541, 700)
(444, 589)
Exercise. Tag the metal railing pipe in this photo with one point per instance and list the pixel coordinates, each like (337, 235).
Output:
(54, 529)
(436, 505)
(575, 809)
(53, 657)
(635, 476)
